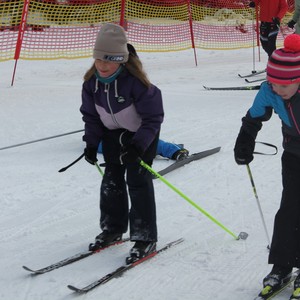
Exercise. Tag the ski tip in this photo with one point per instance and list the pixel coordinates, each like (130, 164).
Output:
(74, 288)
(28, 269)
(33, 272)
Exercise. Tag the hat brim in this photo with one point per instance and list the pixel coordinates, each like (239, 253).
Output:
(112, 57)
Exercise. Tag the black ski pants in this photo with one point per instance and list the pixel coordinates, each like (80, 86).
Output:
(285, 247)
(268, 36)
(118, 182)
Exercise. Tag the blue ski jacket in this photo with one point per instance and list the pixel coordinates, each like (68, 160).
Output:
(267, 101)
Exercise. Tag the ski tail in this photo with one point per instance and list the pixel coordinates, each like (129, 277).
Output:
(71, 259)
(255, 80)
(233, 88)
(253, 73)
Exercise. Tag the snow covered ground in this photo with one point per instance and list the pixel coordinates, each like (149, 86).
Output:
(46, 216)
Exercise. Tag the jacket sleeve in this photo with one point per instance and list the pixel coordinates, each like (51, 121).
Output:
(259, 112)
(283, 9)
(92, 123)
(148, 104)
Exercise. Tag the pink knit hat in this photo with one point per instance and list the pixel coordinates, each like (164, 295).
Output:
(284, 64)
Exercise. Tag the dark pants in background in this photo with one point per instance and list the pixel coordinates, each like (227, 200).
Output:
(268, 36)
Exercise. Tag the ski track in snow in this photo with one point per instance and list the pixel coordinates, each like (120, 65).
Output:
(46, 216)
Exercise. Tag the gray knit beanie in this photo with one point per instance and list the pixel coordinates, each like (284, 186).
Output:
(111, 44)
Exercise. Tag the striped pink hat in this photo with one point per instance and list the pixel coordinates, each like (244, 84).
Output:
(284, 64)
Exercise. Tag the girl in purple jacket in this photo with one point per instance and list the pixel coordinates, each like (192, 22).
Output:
(124, 111)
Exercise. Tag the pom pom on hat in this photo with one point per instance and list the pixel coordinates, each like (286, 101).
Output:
(292, 43)
(111, 44)
(284, 64)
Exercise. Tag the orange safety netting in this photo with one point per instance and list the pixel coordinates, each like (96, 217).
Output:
(52, 29)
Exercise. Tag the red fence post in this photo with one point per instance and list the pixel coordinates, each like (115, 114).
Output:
(123, 22)
(191, 29)
(22, 27)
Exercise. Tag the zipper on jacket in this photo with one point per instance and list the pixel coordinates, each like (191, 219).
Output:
(109, 106)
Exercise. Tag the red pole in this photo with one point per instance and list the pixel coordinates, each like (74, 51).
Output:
(257, 32)
(20, 36)
(191, 29)
(122, 15)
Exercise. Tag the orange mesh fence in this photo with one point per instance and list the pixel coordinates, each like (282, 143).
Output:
(53, 29)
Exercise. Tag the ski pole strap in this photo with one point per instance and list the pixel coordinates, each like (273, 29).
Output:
(269, 145)
(71, 164)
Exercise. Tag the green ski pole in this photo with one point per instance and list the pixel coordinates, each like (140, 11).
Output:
(242, 235)
(99, 169)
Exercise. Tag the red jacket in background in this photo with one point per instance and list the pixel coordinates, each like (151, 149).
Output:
(269, 9)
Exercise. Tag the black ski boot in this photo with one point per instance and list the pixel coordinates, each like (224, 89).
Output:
(275, 279)
(180, 154)
(140, 250)
(105, 239)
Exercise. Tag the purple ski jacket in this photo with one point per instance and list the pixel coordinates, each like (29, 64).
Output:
(125, 103)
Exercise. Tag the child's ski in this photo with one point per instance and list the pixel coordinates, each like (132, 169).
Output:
(121, 270)
(181, 162)
(70, 259)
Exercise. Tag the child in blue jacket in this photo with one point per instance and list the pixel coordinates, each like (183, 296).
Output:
(280, 94)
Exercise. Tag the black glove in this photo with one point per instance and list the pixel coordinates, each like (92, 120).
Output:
(129, 154)
(291, 24)
(244, 148)
(90, 155)
(276, 21)
(252, 4)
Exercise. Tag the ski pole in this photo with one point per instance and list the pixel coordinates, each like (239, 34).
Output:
(253, 42)
(99, 169)
(258, 204)
(42, 139)
(242, 235)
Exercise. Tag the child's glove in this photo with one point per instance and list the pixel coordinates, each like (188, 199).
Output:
(244, 148)
(291, 24)
(90, 155)
(276, 21)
